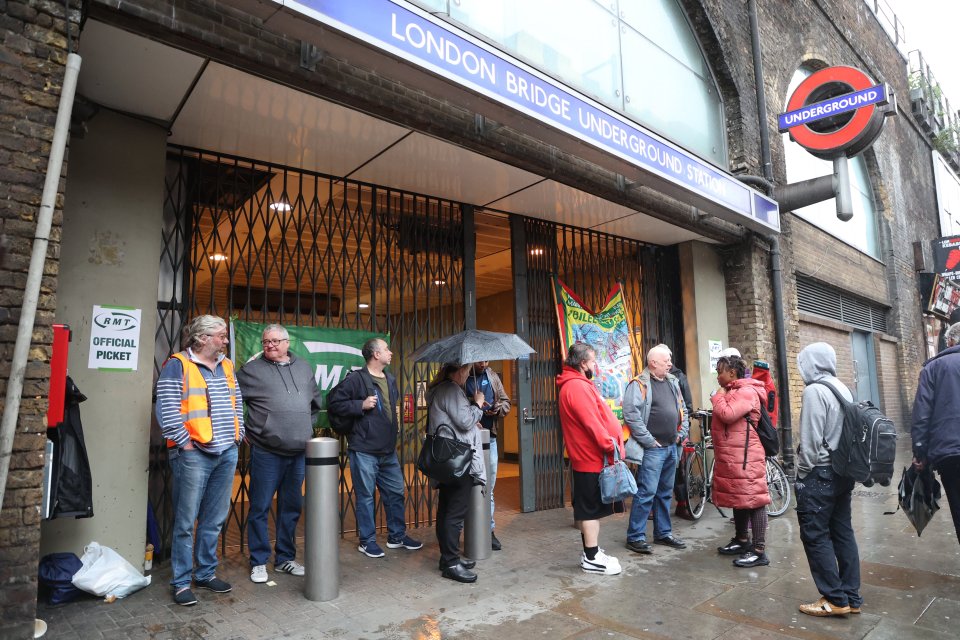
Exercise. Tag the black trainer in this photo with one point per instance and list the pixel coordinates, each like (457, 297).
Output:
(494, 543)
(639, 546)
(752, 559)
(671, 541)
(214, 584)
(735, 548)
(465, 562)
(459, 573)
(184, 597)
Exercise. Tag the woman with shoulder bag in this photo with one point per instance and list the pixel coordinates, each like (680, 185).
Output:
(740, 471)
(449, 406)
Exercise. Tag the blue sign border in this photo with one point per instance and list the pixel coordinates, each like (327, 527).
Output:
(834, 106)
(433, 45)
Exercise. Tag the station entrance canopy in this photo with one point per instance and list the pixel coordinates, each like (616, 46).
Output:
(432, 45)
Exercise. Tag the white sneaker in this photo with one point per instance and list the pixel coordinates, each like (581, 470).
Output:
(292, 567)
(259, 573)
(602, 564)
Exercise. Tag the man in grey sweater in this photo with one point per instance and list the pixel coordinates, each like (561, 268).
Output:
(823, 497)
(283, 401)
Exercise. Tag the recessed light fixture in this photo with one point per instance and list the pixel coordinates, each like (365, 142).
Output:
(536, 252)
(217, 257)
(439, 282)
(363, 305)
(280, 206)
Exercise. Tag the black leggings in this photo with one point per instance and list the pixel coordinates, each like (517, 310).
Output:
(757, 519)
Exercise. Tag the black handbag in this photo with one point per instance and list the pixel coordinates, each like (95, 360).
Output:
(445, 460)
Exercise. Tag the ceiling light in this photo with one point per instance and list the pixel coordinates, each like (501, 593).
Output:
(536, 252)
(363, 305)
(439, 282)
(218, 257)
(280, 206)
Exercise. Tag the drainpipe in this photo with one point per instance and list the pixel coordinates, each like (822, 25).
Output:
(31, 293)
(776, 275)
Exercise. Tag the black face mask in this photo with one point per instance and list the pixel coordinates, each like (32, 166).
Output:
(589, 374)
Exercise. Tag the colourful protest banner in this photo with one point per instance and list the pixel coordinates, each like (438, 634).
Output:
(607, 331)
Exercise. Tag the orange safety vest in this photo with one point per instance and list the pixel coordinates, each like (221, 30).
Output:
(195, 403)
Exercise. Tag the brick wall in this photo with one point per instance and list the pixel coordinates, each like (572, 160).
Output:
(891, 383)
(32, 58)
(838, 337)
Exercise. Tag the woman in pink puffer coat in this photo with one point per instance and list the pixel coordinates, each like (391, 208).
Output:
(740, 471)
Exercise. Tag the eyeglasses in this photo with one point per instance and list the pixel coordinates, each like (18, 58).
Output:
(273, 343)
(222, 336)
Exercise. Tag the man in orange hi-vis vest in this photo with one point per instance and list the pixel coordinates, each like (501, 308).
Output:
(200, 412)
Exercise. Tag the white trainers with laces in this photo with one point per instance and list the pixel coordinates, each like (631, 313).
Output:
(602, 564)
(259, 573)
(292, 567)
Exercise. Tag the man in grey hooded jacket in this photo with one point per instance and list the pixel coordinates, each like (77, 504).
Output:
(283, 401)
(823, 497)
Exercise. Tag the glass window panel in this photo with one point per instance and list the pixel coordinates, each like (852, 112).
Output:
(573, 40)
(667, 96)
(861, 230)
(663, 22)
(432, 5)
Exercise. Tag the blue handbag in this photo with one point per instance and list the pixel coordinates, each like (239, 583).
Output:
(616, 481)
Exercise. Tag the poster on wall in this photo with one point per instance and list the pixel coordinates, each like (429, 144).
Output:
(944, 297)
(332, 353)
(114, 338)
(608, 332)
(946, 257)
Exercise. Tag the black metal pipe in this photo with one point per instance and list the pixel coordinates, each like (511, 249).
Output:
(776, 269)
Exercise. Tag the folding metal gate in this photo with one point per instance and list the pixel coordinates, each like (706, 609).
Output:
(261, 242)
(591, 263)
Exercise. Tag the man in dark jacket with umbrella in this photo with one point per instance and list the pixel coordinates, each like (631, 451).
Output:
(936, 419)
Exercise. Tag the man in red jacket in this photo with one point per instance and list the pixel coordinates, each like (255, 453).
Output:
(590, 432)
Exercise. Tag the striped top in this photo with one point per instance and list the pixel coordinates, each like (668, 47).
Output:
(169, 394)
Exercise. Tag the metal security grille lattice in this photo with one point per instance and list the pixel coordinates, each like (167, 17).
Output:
(823, 300)
(590, 263)
(266, 243)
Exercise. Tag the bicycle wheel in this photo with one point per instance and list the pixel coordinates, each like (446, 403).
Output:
(696, 484)
(781, 492)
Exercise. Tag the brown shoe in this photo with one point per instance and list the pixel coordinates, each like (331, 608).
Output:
(822, 608)
(854, 609)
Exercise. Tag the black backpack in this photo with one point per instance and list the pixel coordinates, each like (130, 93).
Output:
(343, 425)
(868, 443)
(767, 433)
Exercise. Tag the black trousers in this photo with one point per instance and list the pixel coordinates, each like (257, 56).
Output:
(451, 510)
(949, 469)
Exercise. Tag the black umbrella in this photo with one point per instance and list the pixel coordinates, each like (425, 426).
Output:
(473, 345)
(919, 495)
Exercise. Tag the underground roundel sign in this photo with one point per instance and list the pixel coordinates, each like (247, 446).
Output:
(837, 111)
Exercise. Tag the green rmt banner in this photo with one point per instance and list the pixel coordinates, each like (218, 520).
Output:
(332, 353)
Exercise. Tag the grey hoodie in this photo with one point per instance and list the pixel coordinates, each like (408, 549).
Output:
(283, 401)
(821, 416)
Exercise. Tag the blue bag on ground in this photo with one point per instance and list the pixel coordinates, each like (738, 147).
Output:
(56, 577)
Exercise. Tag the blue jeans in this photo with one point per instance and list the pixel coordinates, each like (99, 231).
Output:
(492, 478)
(371, 472)
(823, 510)
(655, 479)
(202, 484)
(272, 474)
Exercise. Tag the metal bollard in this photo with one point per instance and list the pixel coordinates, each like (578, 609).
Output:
(321, 553)
(476, 526)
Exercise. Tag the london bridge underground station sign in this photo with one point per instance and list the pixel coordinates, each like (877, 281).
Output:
(417, 37)
(837, 111)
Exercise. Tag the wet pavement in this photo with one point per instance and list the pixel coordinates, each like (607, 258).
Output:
(534, 588)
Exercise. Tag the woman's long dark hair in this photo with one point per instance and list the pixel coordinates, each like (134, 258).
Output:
(732, 362)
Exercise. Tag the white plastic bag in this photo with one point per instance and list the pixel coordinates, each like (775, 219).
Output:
(106, 573)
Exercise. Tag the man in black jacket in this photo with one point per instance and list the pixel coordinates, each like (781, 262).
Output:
(370, 397)
(283, 402)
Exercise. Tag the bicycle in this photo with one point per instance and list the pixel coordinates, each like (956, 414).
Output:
(699, 479)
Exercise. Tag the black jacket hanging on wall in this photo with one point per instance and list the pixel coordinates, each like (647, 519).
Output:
(71, 485)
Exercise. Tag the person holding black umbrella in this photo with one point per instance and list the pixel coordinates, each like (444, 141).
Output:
(448, 404)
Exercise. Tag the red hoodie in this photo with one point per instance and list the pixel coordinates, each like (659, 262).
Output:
(588, 423)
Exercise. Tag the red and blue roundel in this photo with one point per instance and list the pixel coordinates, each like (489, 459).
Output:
(837, 111)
